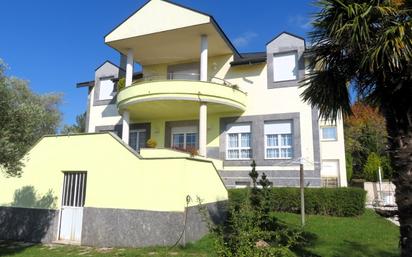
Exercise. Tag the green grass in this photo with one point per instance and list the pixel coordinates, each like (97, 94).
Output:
(367, 235)
(202, 248)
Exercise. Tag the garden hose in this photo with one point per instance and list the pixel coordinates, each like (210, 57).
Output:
(188, 200)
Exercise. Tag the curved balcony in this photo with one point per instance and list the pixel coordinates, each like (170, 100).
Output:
(179, 95)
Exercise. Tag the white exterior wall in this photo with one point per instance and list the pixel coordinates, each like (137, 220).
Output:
(98, 116)
(335, 150)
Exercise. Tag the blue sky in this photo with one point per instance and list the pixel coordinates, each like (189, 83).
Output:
(55, 44)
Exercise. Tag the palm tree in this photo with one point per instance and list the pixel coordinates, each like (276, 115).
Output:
(365, 46)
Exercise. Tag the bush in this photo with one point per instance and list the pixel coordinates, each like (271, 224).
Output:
(370, 170)
(342, 202)
(151, 143)
(121, 84)
(250, 229)
(349, 167)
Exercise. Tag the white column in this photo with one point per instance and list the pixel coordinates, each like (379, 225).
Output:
(203, 57)
(128, 82)
(203, 129)
(129, 68)
(203, 106)
(125, 127)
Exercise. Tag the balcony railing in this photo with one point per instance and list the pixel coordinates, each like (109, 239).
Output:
(183, 77)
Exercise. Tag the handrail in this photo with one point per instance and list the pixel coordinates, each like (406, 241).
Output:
(182, 76)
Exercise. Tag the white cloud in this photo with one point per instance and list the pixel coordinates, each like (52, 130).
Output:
(244, 39)
(300, 21)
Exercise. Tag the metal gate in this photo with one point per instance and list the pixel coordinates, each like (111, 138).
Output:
(74, 195)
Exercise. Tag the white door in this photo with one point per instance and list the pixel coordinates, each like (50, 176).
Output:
(74, 192)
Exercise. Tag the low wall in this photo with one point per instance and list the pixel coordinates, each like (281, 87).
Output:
(31, 225)
(137, 228)
(386, 194)
(112, 227)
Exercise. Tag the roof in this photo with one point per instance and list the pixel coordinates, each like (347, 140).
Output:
(107, 61)
(287, 33)
(249, 58)
(129, 27)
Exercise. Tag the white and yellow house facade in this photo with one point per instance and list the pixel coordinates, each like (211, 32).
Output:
(195, 92)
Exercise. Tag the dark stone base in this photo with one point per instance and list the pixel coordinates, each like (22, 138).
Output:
(137, 228)
(278, 178)
(30, 225)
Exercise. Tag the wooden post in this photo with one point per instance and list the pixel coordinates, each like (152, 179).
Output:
(302, 193)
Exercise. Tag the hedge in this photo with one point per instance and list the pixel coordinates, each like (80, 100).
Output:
(342, 202)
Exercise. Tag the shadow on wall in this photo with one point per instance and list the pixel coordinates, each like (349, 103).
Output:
(27, 197)
(33, 220)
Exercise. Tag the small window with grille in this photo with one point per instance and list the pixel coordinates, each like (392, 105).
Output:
(74, 189)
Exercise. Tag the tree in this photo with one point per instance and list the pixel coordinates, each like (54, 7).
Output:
(371, 167)
(24, 118)
(365, 133)
(78, 127)
(366, 46)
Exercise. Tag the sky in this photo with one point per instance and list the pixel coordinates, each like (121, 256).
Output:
(56, 44)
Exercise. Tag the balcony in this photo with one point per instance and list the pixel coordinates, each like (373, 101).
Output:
(179, 95)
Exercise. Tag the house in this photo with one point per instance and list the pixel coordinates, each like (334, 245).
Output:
(195, 93)
(195, 90)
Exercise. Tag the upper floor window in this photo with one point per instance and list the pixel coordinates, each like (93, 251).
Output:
(285, 67)
(329, 133)
(278, 140)
(239, 145)
(106, 90)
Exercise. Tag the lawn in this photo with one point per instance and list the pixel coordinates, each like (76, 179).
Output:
(202, 248)
(368, 235)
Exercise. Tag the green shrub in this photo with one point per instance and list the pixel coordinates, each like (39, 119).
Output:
(370, 170)
(121, 84)
(342, 202)
(349, 167)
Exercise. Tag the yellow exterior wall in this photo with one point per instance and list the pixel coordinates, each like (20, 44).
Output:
(260, 100)
(158, 129)
(116, 177)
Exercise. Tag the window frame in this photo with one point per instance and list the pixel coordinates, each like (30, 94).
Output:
(185, 131)
(112, 93)
(239, 148)
(322, 138)
(138, 131)
(280, 54)
(279, 139)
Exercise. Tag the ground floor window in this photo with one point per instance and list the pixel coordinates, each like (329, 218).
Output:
(184, 138)
(239, 145)
(278, 140)
(137, 139)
